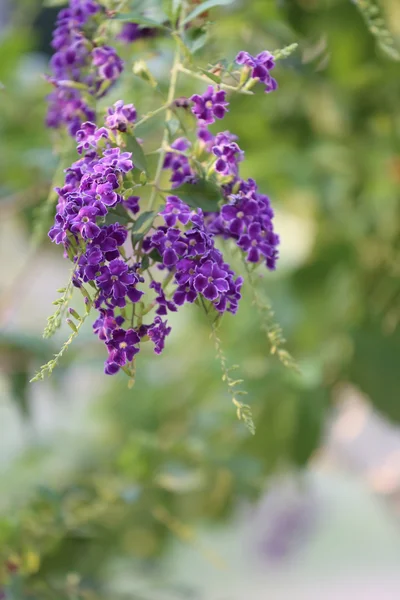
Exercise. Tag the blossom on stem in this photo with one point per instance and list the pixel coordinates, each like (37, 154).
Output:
(131, 32)
(209, 106)
(260, 66)
(122, 347)
(120, 116)
(79, 70)
(157, 332)
(228, 153)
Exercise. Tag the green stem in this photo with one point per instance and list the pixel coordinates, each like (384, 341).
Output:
(152, 114)
(168, 115)
(206, 79)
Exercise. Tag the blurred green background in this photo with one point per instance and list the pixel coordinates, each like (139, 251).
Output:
(158, 492)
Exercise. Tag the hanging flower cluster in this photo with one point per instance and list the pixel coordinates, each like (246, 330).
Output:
(135, 264)
(81, 69)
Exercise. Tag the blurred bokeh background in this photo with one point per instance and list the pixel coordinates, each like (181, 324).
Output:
(158, 492)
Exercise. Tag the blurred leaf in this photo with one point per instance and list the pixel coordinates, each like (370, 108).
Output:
(183, 47)
(212, 76)
(203, 194)
(51, 3)
(138, 156)
(308, 425)
(140, 20)
(29, 343)
(146, 218)
(375, 369)
(155, 255)
(198, 42)
(203, 7)
(173, 126)
(171, 8)
(19, 389)
(142, 225)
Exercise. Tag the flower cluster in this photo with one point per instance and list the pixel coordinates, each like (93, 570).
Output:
(80, 69)
(246, 215)
(198, 266)
(136, 273)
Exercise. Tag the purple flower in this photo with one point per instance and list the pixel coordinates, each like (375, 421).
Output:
(105, 192)
(82, 10)
(88, 136)
(239, 214)
(106, 323)
(198, 241)
(184, 293)
(113, 157)
(175, 210)
(255, 243)
(132, 203)
(117, 281)
(211, 280)
(260, 65)
(108, 63)
(230, 301)
(157, 332)
(179, 164)
(89, 262)
(228, 153)
(85, 222)
(170, 244)
(210, 105)
(131, 32)
(120, 116)
(205, 136)
(66, 107)
(163, 304)
(122, 347)
(57, 232)
(185, 271)
(109, 239)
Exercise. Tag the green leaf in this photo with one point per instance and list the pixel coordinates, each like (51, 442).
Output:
(75, 85)
(136, 237)
(176, 5)
(185, 50)
(143, 219)
(203, 194)
(310, 411)
(212, 76)
(145, 262)
(53, 3)
(140, 20)
(374, 368)
(203, 7)
(155, 255)
(142, 225)
(173, 126)
(140, 69)
(171, 8)
(138, 156)
(199, 41)
(19, 380)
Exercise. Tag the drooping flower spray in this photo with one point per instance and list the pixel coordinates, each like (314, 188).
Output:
(125, 248)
